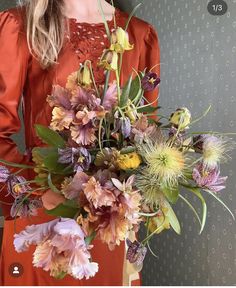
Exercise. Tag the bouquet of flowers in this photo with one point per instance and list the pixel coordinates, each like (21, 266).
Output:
(114, 168)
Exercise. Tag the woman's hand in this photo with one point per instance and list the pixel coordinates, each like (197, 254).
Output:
(51, 199)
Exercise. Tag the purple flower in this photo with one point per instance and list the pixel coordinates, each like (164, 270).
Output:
(25, 207)
(125, 127)
(180, 136)
(208, 178)
(79, 157)
(150, 81)
(136, 252)
(4, 174)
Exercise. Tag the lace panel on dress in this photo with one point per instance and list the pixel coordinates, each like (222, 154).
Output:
(89, 41)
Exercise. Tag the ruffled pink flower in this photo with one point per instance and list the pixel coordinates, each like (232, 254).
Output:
(72, 189)
(85, 116)
(142, 129)
(83, 135)
(61, 248)
(112, 222)
(84, 98)
(60, 97)
(61, 118)
(98, 195)
(110, 98)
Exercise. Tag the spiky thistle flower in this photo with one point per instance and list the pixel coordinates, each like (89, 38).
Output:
(150, 189)
(214, 149)
(164, 162)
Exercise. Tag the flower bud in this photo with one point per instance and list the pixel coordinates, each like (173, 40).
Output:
(109, 60)
(120, 41)
(181, 118)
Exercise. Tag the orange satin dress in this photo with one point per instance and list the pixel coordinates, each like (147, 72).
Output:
(22, 78)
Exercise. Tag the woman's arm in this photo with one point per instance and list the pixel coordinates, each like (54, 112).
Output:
(13, 71)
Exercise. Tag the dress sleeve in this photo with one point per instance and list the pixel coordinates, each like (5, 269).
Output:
(13, 70)
(149, 57)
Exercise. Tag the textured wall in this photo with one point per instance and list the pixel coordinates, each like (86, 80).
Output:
(198, 56)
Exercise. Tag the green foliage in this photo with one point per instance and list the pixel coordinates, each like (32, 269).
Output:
(171, 193)
(66, 209)
(125, 93)
(50, 137)
(147, 109)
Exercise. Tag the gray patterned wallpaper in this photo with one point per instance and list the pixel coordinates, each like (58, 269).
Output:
(198, 56)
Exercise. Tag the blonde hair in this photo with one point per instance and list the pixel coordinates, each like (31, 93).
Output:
(45, 26)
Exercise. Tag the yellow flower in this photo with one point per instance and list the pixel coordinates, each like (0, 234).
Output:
(131, 111)
(84, 77)
(109, 60)
(159, 222)
(129, 161)
(181, 118)
(120, 41)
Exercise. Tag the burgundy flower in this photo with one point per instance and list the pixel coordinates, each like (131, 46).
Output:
(150, 81)
(136, 252)
(208, 178)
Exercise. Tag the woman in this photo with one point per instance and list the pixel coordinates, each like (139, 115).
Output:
(42, 42)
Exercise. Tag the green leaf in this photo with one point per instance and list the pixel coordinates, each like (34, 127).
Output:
(174, 222)
(63, 210)
(135, 89)
(61, 275)
(52, 186)
(221, 202)
(171, 193)
(127, 150)
(16, 165)
(51, 163)
(197, 192)
(192, 208)
(71, 203)
(125, 93)
(147, 109)
(50, 137)
(90, 238)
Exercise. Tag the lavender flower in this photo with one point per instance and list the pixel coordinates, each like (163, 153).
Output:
(4, 174)
(150, 81)
(25, 207)
(125, 127)
(136, 252)
(79, 157)
(208, 178)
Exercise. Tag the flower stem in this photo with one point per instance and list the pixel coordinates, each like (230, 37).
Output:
(108, 73)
